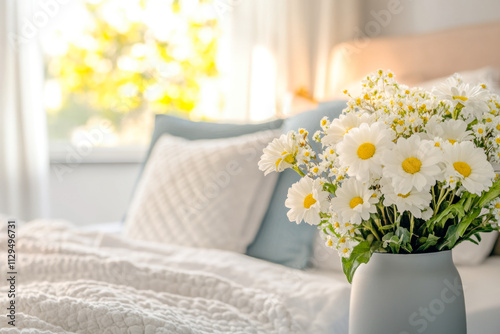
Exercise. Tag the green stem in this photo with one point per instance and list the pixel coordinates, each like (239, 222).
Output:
(412, 225)
(395, 213)
(370, 227)
(433, 197)
(442, 196)
(381, 207)
(297, 169)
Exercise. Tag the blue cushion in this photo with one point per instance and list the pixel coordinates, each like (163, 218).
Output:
(278, 239)
(165, 124)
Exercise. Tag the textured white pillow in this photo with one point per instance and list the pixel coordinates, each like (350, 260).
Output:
(323, 257)
(202, 193)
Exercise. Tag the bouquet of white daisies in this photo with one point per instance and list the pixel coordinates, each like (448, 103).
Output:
(402, 170)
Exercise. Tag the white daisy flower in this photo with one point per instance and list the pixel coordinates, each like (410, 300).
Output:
(315, 170)
(317, 136)
(279, 154)
(473, 98)
(341, 227)
(306, 199)
(342, 125)
(330, 240)
(304, 155)
(354, 202)
(413, 163)
(470, 165)
(325, 123)
(346, 246)
(414, 201)
(480, 130)
(362, 149)
(452, 130)
(495, 207)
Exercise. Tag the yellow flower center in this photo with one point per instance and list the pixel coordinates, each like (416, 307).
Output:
(437, 144)
(411, 165)
(452, 141)
(336, 225)
(355, 202)
(461, 98)
(345, 250)
(366, 151)
(497, 206)
(315, 169)
(342, 240)
(309, 201)
(497, 140)
(498, 127)
(323, 122)
(404, 196)
(278, 163)
(463, 168)
(307, 153)
(480, 130)
(288, 157)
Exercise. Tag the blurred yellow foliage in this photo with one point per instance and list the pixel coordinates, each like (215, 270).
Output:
(134, 57)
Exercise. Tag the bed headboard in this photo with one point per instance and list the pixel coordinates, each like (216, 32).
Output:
(415, 58)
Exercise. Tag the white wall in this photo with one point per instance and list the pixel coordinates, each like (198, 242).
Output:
(92, 192)
(420, 16)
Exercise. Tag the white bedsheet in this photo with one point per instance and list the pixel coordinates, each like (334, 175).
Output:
(137, 279)
(482, 296)
(71, 280)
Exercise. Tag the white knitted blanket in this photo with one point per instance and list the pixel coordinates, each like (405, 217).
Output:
(70, 281)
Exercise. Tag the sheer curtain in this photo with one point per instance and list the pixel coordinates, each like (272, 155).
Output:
(24, 163)
(277, 47)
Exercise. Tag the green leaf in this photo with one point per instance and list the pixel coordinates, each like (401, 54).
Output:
(427, 242)
(455, 232)
(360, 254)
(454, 210)
(490, 195)
(450, 239)
(331, 188)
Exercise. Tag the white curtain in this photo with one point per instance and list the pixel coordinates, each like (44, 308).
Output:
(24, 164)
(276, 47)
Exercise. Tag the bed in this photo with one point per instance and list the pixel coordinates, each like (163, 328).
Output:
(125, 278)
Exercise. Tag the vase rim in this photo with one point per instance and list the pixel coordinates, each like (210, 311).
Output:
(421, 254)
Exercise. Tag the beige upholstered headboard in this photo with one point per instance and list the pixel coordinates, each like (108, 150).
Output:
(415, 58)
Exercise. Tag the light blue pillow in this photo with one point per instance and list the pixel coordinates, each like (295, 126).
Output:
(179, 127)
(279, 240)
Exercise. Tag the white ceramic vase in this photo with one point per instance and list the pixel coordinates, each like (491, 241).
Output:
(407, 294)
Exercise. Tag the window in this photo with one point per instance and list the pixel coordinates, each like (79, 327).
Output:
(112, 64)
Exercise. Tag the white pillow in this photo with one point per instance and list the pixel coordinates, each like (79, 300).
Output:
(486, 75)
(203, 193)
(323, 257)
(468, 253)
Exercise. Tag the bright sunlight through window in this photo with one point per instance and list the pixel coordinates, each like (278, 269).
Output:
(115, 63)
